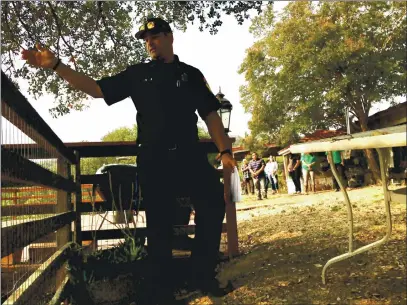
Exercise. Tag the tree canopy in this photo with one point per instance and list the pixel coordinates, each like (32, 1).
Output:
(319, 58)
(95, 37)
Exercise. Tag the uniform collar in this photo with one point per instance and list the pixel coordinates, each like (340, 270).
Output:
(154, 62)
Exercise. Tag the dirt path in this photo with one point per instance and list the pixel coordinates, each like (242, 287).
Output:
(275, 204)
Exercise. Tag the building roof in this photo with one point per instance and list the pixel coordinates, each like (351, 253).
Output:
(239, 148)
(392, 116)
(392, 109)
(270, 145)
(239, 152)
(320, 134)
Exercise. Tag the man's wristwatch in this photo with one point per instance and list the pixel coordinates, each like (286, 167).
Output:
(226, 151)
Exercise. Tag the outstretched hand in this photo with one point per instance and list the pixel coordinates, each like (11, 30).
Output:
(40, 57)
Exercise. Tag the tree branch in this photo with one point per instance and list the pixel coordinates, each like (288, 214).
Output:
(115, 42)
(368, 105)
(350, 100)
(99, 5)
(13, 37)
(70, 48)
(22, 23)
(11, 61)
(390, 37)
(365, 103)
(59, 38)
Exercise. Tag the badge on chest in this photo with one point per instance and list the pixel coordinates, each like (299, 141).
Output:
(183, 80)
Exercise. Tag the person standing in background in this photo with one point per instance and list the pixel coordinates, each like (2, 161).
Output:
(339, 164)
(256, 167)
(274, 171)
(308, 164)
(271, 174)
(294, 171)
(248, 185)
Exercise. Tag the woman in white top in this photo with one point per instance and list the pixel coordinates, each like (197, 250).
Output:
(271, 173)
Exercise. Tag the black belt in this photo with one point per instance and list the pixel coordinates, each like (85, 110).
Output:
(167, 146)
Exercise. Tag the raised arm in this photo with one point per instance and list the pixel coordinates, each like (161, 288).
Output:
(44, 58)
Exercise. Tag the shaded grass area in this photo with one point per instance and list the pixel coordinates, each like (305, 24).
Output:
(283, 256)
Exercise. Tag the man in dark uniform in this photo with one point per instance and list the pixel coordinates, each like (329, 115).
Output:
(166, 93)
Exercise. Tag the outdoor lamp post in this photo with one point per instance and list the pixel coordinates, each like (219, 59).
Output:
(224, 110)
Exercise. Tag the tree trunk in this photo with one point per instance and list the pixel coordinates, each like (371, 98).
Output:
(371, 161)
(374, 167)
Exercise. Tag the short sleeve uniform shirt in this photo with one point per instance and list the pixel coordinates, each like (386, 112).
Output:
(166, 96)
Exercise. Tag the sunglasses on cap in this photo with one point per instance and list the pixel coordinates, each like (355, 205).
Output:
(150, 25)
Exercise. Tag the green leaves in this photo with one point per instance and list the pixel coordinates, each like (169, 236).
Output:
(121, 134)
(130, 250)
(89, 166)
(94, 37)
(316, 59)
(203, 133)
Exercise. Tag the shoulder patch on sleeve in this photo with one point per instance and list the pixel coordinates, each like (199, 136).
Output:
(207, 85)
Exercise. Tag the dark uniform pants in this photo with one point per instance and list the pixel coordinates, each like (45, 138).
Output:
(188, 175)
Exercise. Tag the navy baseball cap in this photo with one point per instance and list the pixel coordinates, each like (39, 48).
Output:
(153, 26)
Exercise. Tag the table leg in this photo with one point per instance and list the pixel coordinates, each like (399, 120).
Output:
(383, 168)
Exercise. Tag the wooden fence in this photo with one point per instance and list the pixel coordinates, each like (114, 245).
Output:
(45, 200)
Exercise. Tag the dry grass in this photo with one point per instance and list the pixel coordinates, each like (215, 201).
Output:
(286, 240)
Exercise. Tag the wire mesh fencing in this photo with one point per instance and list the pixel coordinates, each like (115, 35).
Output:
(34, 205)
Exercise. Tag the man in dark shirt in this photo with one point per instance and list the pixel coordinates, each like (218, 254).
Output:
(256, 167)
(166, 93)
(294, 171)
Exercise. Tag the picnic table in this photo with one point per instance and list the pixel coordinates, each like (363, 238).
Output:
(379, 139)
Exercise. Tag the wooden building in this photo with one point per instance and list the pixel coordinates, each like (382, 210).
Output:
(393, 116)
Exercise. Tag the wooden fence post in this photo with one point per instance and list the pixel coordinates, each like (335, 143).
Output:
(63, 204)
(231, 218)
(78, 200)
